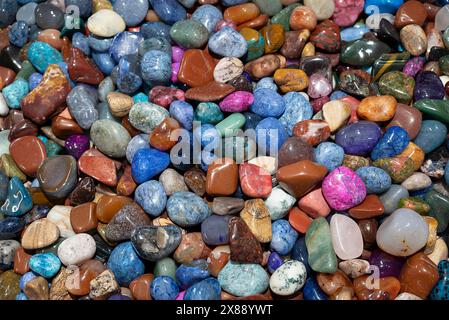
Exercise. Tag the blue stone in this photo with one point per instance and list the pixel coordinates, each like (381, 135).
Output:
(208, 136)
(84, 6)
(330, 155)
(268, 103)
(8, 10)
(337, 95)
(169, 11)
(431, 135)
(132, 11)
(155, 29)
(156, 67)
(138, 142)
(251, 120)
(26, 13)
(208, 289)
(26, 278)
(208, 15)
(99, 44)
(186, 209)
(21, 296)
(164, 288)
(393, 142)
(147, 163)
(297, 109)
(128, 75)
(104, 112)
(34, 80)
(18, 201)
(441, 290)
(125, 43)
(243, 279)
(190, 273)
(228, 43)
(104, 62)
(140, 97)
(4, 182)
(15, 92)
(41, 55)
(382, 6)
(18, 33)
(271, 135)
(208, 112)
(182, 112)
(45, 264)
(215, 230)
(82, 102)
(359, 138)
(353, 33)
(267, 83)
(284, 237)
(207, 158)
(11, 227)
(125, 263)
(300, 253)
(81, 42)
(156, 43)
(312, 290)
(151, 197)
(274, 262)
(228, 3)
(376, 180)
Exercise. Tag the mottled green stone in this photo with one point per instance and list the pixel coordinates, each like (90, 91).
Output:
(208, 112)
(363, 52)
(269, 7)
(399, 169)
(435, 109)
(72, 25)
(9, 285)
(229, 126)
(189, 34)
(443, 63)
(256, 48)
(355, 162)
(26, 71)
(283, 17)
(398, 85)
(439, 208)
(52, 148)
(165, 267)
(416, 204)
(322, 256)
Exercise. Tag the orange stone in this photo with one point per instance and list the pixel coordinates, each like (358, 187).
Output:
(126, 184)
(222, 177)
(314, 204)
(98, 167)
(52, 37)
(256, 23)
(161, 137)
(370, 207)
(108, 206)
(83, 218)
(197, 68)
(28, 153)
(241, 13)
(303, 18)
(299, 220)
(274, 35)
(191, 248)
(78, 283)
(7, 76)
(140, 287)
(369, 288)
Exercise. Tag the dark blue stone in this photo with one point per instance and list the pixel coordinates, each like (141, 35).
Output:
(208, 289)
(299, 252)
(81, 42)
(155, 29)
(312, 290)
(34, 80)
(274, 262)
(125, 263)
(169, 11)
(428, 86)
(252, 120)
(103, 61)
(215, 230)
(267, 103)
(190, 273)
(393, 142)
(229, 3)
(99, 44)
(119, 296)
(8, 10)
(11, 227)
(125, 43)
(147, 163)
(164, 288)
(4, 181)
(284, 237)
(18, 33)
(271, 135)
(359, 138)
(128, 74)
(156, 43)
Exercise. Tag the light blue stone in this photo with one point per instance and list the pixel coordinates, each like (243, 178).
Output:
(243, 279)
(164, 288)
(151, 197)
(190, 273)
(297, 109)
(125, 43)
(18, 201)
(104, 62)
(208, 15)
(208, 289)
(283, 237)
(208, 136)
(155, 29)
(228, 3)
(182, 112)
(26, 278)
(21, 296)
(15, 92)
(268, 103)
(228, 43)
(41, 55)
(267, 83)
(82, 102)
(133, 12)
(376, 180)
(34, 80)
(140, 97)
(431, 135)
(156, 67)
(186, 209)
(45, 264)
(81, 42)
(125, 263)
(392, 143)
(104, 112)
(271, 135)
(330, 155)
(353, 33)
(138, 142)
(99, 44)
(337, 95)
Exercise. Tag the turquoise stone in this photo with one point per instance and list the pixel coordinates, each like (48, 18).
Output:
(45, 264)
(441, 289)
(283, 17)
(436, 109)
(140, 97)
(231, 124)
(18, 201)
(363, 52)
(322, 256)
(243, 279)
(439, 208)
(41, 55)
(15, 92)
(431, 135)
(208, 112)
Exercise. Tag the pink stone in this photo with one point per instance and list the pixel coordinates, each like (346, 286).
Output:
(177, 54)
(255, 181)
(181, 295)
(174, 71)
(319, 86)
(314, 204)
(343, 189)
(346, 236)
(346, 12)
(237, 101)
(413, 66)
(163, 96)
(317, 104)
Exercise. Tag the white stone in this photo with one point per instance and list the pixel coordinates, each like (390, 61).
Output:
(444, 79)
(442, 18)
(403, 233)
(322, 8)
(417, 181)
(440, 251)
(77, 249)
(268, 163)
(4, 142)
(347, 238)
(7, 251)
(106, 23)
(288, 278)
(407, 296)
(354, 268)
(4, 110)
(279, 203)
(172, 181)
(227, 69)
(60, 216)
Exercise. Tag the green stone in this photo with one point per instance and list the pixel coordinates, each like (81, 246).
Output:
(189, 34)
(269, 7)
(322, 256)
(439, 208)
(9, 285)
(208, 112)
(2, 217)
(435, 109)
(72, 25)
(416, 204)
(238, 148)
(165, 267)
(283, 17)
(389, 62)
(26, 71)
(230, 125)
(52, 148)
(363, 52)
(9, 167)
(255, 43)
(399, 169)
(443, 63)
(110, 137)
(398, 85)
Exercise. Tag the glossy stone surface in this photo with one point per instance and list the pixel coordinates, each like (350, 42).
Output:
(321, 255)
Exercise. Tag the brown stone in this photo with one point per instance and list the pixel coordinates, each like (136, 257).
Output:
(293, 150)
(368, 227)
(103, 286)
(255, 23)
(28, 153)
(333, 283)
(244, 246)
(63, 127)
(58, 291)
(7, 76)
(9, 284)
(37, 289)
(191, 248)
(83, 192)
(217, 259)
(227, 205)
(83, 218)
(126, 184)
(40, 234)
(294, 43)
(82, 69)
(386, 288)
(140, 287)
(370, 207)
(78, 283)
(197, 68)
(211, 91)
(195, 179)
(411, 12)
(301, 177)
(119, 103)
(21, 129)
(241, 13)
(122, 225)
(263, 67)
(257, 218)
(108, 206)
(21, 261)
(222, 177)
(52, 37)
(408, 118)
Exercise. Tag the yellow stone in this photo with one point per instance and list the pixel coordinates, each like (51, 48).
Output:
(101, 4)
(308, 51)
(257, 218)
(379, 108)
(336, 113)
(415, 153)
(291, 79)
(432, 238)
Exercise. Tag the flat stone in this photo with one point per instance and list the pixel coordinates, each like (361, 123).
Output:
(77, 249)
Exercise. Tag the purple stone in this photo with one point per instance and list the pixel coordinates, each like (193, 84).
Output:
(215, 230)
(428, 86)
(413, 66)
(119, 296)
(77, 144)
(389, 266)
(177, 54)
(274, 262)
(359, 138)
(319, 86)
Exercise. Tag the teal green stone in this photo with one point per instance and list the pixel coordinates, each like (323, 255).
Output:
(52, 148)
(72, 26)
(18, 201)
(189, 34)
(439, 208)
(15, 92)
(269, 7)
(363, 52)
(322, 256)
(256, 47)
(165, 267)
(435, 109)
(239, 148)
(230, 125)
(398, 85)
(443, 63)
(26, 71)
(283, 17)
(243, 279)
(208, 112)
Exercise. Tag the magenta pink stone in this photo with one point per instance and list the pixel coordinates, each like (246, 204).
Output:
(413, 66)
(237, 102)
(177, 54)
(343, 189)
(346, 12)
(174, 71)
(319, 86)
(181, 295)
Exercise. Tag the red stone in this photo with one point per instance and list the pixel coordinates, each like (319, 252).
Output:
(255, 181)
(28, 153)
(100, 168)
(164, 96)
(326, 36)
(82, 69)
